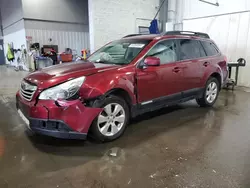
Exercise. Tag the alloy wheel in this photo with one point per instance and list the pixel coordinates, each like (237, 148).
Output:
(211, 92)
(111, 120)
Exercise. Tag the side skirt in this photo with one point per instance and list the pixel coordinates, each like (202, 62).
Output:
(156, 104)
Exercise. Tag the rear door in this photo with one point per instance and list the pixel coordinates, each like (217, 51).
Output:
(214, 56)
(191, 60)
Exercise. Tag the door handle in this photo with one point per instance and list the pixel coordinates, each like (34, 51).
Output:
(176, 69)
(206, 64)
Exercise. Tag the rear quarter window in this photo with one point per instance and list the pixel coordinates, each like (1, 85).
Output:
(210, 48)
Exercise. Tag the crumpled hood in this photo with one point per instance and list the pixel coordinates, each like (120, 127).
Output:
(57, 74)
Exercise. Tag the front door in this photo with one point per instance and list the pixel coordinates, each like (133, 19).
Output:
(2, 58)
(159, 82)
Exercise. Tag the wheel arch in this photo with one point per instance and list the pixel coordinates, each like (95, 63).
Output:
(218, 77)
(120, 93)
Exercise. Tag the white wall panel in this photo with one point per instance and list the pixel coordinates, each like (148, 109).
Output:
(17, 38)
(232, 36)
(113, 19)
(231, 33)
(195, 8)
(242, 35)
(243, 49)
(64, 39)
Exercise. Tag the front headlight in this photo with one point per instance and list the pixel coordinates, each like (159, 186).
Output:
(63, 91)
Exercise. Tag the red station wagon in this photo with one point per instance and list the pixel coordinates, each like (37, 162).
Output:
(121, 80)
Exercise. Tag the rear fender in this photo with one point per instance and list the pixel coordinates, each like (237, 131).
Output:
(210, 72)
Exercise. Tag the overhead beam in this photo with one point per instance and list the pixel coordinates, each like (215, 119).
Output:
(214, 4)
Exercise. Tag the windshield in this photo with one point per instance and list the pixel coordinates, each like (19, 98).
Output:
(119, 52)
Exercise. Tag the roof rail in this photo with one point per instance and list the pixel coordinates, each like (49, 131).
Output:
(131, 35)
(188, 33)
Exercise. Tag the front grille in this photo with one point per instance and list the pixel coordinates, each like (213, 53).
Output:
(27, 90)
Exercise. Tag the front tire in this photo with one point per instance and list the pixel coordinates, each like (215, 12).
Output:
(210, 93)
(111, 123)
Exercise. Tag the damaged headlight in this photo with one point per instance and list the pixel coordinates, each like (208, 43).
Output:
(63, 91)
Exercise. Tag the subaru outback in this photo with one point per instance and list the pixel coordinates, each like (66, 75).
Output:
(125, 78)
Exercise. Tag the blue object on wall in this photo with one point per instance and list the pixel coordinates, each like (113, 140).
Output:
(153, 28)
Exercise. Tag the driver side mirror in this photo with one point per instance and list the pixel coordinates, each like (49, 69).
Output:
(150, 61)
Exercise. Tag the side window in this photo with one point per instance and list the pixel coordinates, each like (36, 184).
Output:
(210, 48)
(190, 49)
(165, 51)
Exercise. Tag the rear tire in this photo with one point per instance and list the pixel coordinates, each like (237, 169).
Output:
(210, 93)
(111, 123)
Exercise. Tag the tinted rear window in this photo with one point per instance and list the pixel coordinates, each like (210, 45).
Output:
(210, 48)
(191, 49)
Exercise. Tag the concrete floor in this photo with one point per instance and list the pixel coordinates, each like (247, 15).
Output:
(182, 146)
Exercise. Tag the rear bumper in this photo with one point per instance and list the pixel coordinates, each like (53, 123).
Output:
(61, 119)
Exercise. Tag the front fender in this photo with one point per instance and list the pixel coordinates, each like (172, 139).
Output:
(99, 84)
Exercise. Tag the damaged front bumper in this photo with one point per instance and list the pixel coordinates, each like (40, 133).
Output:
(60, 119)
